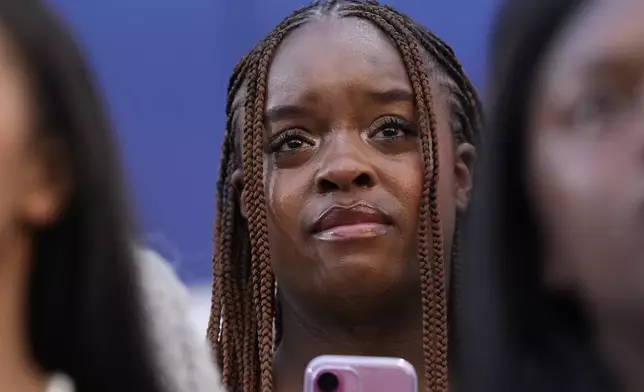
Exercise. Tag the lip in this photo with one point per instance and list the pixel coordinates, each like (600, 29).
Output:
(343, 223)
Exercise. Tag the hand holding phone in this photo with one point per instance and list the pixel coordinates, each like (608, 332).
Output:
(338, 373)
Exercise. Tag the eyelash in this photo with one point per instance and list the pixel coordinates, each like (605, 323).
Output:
(392, 122)
(277, 142)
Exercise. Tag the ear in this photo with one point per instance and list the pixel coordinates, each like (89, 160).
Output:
(238, 183)
(48, 183)
(465, 157)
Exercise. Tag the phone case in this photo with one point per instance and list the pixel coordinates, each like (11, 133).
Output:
(360, 374)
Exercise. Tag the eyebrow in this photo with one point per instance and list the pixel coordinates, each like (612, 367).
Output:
(392, 96)
(281, 112)
(616, 62)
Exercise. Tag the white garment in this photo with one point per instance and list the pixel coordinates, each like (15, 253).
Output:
(182, 352)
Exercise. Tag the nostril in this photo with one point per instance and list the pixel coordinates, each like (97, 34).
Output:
(326, 186)
(363, 181)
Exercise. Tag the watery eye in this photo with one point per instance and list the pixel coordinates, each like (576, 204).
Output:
(389, 133)
(290, 143)
(293, 144)
(390, 128)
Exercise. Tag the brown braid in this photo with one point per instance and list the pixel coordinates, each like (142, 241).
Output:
(244, 325)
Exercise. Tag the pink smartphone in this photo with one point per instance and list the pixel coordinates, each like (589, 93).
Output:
(339, 373)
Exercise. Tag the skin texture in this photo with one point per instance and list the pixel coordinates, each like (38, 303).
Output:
(342, 130)
(32, 189)
(586, 159)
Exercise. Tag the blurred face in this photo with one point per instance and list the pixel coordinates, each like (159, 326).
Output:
(26, 192)
(587, 156)
(343, 167)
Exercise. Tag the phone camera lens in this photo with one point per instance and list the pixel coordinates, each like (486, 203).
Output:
(328, 382)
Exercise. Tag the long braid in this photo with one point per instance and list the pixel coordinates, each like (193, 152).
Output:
(454, 300)
(215, 309)
(468, 127)
(229, 317)
(264, 284)
(244, 285)
(246, 324)
(434, 338)
(254, 297)
(214, 324)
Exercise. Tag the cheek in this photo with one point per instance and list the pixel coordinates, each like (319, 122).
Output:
(564, 179)
(567, 193)
(12, 146)
(15, 123)
(406, 189)
(286, 192)
(585, 196)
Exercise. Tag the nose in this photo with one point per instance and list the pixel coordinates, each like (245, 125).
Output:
(344, 168)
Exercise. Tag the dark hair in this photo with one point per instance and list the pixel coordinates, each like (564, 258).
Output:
(85, 314)
(516, 334)
(245, 322)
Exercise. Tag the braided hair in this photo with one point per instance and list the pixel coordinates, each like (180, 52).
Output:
(245, 324)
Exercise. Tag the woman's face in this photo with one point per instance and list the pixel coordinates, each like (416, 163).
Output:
(27, 186)
(343, 170)
(586, 156)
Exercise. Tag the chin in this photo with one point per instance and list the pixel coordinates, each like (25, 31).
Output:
(359, 295)
(377, 252)
(367, 271)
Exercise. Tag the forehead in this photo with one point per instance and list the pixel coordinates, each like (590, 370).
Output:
(605, 35)
(348, 52)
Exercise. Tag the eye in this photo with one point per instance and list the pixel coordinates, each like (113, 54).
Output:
(289, 141)
(292, 144)
(391, 133)
(594, 106)
(601, 106)
(391, 128)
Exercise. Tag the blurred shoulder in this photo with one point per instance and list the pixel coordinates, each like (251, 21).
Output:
(180, 347)
(159, 278)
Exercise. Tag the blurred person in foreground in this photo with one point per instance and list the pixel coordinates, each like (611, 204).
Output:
(554, 273)
(80, 308)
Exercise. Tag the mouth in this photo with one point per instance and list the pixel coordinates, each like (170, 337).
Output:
(358, 221)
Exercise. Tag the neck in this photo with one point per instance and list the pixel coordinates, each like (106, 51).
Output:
(623, 345)
(395, 332)
(17, 370)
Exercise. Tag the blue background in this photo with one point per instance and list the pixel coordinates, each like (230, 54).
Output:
(164, 65)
